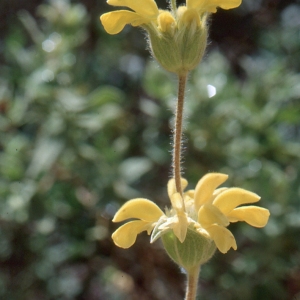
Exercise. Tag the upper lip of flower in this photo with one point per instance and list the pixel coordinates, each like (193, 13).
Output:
(211, 5)
(115, 21)
(143, 209)
(207, 209)
(148, 9)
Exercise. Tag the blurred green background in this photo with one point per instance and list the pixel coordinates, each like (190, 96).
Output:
(85, 125)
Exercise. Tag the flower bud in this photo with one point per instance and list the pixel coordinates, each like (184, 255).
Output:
(178, 45)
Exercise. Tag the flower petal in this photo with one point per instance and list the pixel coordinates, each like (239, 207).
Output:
(219, 191)
(233, 197)
(253, 215)
(172, 188)
(160, 228)
(209, 214)
(180, 225)
(188, 16)
(166, 21)
(176, 201)
(190, 194)
(211, 5)
(114, 22)
(223, 238)
(139, 208)
(146, 9)
(206, 186)
(125, 236)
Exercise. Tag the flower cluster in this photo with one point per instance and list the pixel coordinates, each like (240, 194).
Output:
(177, 37)
(207, 210)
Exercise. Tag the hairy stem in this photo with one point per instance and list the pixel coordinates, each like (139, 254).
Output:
(177, 134)
(192, 283)
(173, 6)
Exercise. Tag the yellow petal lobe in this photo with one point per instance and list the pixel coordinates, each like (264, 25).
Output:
(209, 214)
(172, 187)
(125, 236)
(188, 17)
(114, 22)
(206, 186)
(145, 8)
(219, 191)
(253, 215)
(180, 227)
(139, 208)
(222, 237)
(211, 5)
(176, 201)
(233, 197)
(180, 11)
(190, 193)
(166, 21)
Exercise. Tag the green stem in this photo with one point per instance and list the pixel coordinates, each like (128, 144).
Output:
(173, 6)
(192, 283)
(177, 134)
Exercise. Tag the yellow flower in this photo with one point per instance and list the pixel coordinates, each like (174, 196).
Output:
(207, 210)
(182, 30)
